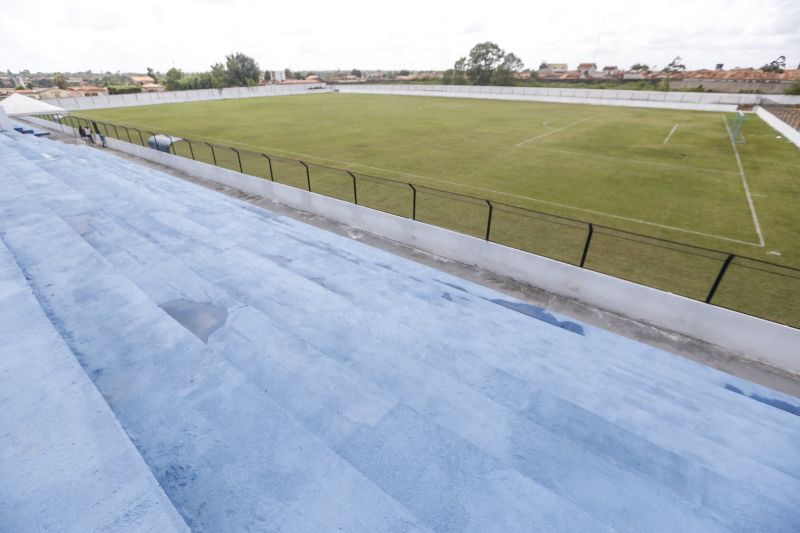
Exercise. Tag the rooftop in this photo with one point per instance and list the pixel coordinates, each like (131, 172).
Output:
(252, 372)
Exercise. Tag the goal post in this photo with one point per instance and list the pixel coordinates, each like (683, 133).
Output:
(736, 128)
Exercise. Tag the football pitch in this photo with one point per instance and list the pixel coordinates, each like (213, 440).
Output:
(668, 174)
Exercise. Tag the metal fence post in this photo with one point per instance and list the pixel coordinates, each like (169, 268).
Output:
(355, 190)
(721, 275)
(213, 154)
(413, 202)
(586, 246)
(489, 219)
(116, 132)
(308, 175)
(140, 136)
(269, 162)
(128, 133)
(239, 158)
(171, 147)
(191, 149)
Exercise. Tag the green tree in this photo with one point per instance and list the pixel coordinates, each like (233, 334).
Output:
(483, 59)
(173, 79)
(504, 73)
(675, 66)
(152, 74)
(218, 76)
(776, 65)
(639, 67)
(267, 75)
(403, 72)
(288, 74)
(456, 75)
(355, 72)
(60, 80)
(241, 70)
(486, 64)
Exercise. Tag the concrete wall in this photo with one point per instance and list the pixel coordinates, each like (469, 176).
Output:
(778, 125)
(759, 339)
(651, 99)
(171, 97)
(732, 86)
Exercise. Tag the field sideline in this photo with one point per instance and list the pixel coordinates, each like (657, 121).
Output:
(670, 174)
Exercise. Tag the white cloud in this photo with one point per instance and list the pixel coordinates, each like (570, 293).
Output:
(40, 35)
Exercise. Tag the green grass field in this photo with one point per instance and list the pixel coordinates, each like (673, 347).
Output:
(662, 173)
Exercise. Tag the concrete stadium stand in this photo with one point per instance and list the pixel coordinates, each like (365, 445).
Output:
(758, 339)
(778, 125)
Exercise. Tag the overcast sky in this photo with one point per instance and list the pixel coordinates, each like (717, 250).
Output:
(414, 34)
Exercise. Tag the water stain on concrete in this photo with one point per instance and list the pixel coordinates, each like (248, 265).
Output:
(201, 318)
(540, 313)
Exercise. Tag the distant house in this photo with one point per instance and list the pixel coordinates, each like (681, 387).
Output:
(611, 72)
(635, 75)
(552, 68)
(152, 88)
(88, 90)
(142, 80)
(587, 70)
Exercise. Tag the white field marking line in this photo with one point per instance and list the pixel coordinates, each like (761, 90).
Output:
(744, 184)
(484, 189)
(526, 141)
(545, 124)
(675, 127)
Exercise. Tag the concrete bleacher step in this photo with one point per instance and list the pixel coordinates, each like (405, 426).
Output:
(48, 404)
(650, 367)
(208, 400)
(304, 381)
(646, 371)
(316, 295)
(746, 403)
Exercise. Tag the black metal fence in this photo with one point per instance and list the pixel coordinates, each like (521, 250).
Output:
(787, 113)
(744, 284)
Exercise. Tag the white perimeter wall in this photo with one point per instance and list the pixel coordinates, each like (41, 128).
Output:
(759, 339)
(779, 125)
(650, 99)
(725, 102)
(171, 97)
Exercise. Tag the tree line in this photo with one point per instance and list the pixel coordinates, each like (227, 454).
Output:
(486, 64)
(238, 70)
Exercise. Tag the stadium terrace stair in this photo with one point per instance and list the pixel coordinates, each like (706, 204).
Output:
(345, 387)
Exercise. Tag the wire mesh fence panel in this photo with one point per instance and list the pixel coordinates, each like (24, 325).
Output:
(255, 164)
(203, 152)
(182, 149)
(554, 237)
(331, 182)
(289, 172)
(665, 265)
(761, 289)
(452, 211)
(137, 136)
(227, 157)
(384, 195)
